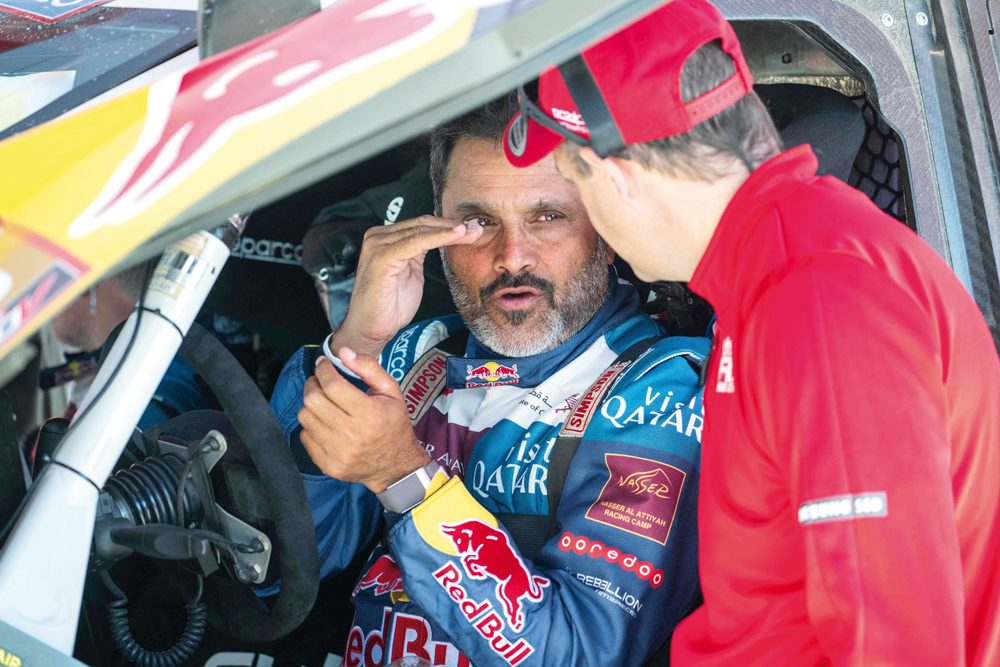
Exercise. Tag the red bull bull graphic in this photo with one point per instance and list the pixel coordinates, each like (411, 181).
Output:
(640, 496)
(487, 552)
(192, 115)
(491, 374)
(384, 576)
(482, 616)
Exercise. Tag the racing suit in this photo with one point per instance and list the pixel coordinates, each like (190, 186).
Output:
(850, 505)
(448, 583)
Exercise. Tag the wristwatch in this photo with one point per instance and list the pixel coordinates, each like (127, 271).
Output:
(409, 492)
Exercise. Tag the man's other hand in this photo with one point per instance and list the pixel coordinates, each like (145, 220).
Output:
(390, 279)
(358, 437)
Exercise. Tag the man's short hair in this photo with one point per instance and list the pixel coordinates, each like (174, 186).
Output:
(744, 131)
(486, 122)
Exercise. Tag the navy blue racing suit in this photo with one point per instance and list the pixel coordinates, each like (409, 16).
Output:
(449, 584)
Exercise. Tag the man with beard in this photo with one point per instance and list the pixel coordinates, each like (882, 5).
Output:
(536, 456)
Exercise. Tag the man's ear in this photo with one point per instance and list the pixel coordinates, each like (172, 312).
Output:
(616, 170)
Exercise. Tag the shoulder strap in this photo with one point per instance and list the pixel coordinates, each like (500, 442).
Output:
(426, 380)
(576, 423)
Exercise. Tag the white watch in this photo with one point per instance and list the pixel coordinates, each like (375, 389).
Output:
(409, 492)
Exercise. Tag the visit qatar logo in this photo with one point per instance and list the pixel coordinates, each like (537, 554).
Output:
(640, 496)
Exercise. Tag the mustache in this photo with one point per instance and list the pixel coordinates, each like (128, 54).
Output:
(523, 279)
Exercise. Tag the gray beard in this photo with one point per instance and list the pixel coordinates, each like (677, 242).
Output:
(512, 334)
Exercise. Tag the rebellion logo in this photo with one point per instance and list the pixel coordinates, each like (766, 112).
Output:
(491, 374)
(640, 496)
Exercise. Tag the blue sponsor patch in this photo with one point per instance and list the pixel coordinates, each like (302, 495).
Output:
(47, 11)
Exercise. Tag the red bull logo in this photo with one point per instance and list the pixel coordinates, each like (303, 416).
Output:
(491, 374)
(192, 115)
(384, 576)
(486, 552)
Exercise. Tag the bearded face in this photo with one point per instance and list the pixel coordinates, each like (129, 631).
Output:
(557, 315)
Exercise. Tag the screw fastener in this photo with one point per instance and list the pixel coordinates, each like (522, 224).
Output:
(922, 18)
(887, 20)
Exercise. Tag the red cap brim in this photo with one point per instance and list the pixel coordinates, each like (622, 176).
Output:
(525, 146)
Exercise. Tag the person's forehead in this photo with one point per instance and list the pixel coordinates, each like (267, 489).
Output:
(478, 172)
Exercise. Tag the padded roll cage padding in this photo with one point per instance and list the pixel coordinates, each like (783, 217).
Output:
(298, 557)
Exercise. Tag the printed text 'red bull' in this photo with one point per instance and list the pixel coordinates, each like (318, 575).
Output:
(482, 616)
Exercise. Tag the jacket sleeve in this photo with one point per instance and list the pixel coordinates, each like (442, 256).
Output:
(618, 576)
(346, 515)
(846, 398)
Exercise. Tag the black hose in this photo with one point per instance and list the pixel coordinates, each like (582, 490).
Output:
(172, 657)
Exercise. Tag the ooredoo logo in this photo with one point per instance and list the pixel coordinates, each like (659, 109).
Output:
(640, 496)
(597, 549)
(487, 552)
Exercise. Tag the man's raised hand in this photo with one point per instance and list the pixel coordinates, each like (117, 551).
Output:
(390, 279)
(354, 436)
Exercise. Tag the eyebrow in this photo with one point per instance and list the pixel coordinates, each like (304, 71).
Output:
(484, 207)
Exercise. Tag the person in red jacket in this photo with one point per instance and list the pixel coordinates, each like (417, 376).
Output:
(850, 495)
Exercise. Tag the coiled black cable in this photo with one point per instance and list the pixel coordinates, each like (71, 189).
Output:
(173, 657)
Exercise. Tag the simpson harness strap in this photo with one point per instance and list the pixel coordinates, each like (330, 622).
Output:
(425, 382)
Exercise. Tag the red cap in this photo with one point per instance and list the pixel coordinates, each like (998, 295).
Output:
(637, 72)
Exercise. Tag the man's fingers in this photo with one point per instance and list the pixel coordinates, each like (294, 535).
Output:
(367, 368)
(421, 221)
(408, 243)
(316, 401)
(318, 454)
(336, 388)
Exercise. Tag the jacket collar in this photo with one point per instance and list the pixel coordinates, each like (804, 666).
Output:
(716, 277)
(483, 367)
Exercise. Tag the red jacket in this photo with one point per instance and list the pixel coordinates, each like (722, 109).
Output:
(850, 486)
